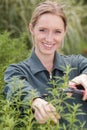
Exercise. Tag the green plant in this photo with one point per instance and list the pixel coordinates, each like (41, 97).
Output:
(11, 51)
(12, 117)
(75, 39)
(15, 16)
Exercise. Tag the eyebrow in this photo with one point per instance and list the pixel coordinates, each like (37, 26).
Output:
(47, 28)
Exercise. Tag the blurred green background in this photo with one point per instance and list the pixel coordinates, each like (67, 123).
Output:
(15, 16)
(15, 39)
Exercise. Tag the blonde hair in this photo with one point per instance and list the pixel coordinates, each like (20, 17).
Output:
(48, 7)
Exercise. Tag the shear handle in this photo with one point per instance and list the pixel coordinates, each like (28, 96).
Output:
(73, 90)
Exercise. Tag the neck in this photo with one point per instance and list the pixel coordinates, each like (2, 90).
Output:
(47, 61)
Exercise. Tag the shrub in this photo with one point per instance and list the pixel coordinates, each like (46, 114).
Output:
(15, 16)
(12, 118)
(11, 51)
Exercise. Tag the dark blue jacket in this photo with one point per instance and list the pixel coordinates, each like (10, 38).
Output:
(35, 76)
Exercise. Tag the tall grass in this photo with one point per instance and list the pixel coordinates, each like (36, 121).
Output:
(15, 16)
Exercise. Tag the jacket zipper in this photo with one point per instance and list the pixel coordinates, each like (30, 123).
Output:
(50, 74)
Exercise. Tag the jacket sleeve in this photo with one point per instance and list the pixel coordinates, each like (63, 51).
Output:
(17, 84)
(82, 64)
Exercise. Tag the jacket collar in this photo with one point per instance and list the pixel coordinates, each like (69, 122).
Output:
(59, 62)
(36, 65)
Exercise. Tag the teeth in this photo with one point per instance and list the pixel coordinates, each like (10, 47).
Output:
(48, 45)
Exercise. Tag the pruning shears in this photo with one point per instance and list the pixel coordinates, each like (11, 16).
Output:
(74, 90)
(79, 90)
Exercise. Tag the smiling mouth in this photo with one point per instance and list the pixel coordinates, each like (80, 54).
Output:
(48, 46)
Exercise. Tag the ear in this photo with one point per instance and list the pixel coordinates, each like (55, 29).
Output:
(31, 29)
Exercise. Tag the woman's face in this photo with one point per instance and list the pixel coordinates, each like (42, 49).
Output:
(48, 34)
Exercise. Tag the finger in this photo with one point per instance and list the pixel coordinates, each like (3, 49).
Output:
(50, 110)
(53, 109)
(39, 117)
(85, 95)
(40, 113)
(52, 117)
(43, 112)
(72, 84)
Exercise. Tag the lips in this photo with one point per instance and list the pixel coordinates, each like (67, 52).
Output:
(48, 46)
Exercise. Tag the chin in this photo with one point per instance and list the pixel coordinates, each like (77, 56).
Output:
(48, 52)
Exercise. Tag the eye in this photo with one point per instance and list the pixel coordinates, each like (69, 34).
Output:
(57, 31)
(42, 30)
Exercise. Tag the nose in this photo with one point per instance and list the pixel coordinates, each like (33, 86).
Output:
(49, 37)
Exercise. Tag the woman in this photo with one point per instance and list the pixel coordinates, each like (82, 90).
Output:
(48, 28)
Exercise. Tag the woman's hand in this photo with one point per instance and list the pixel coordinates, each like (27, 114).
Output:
(44, 111)
(80, 80)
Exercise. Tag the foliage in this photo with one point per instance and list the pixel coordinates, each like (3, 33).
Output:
(15, 16)
(11, 51)
(12, 117)
(75, 40)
